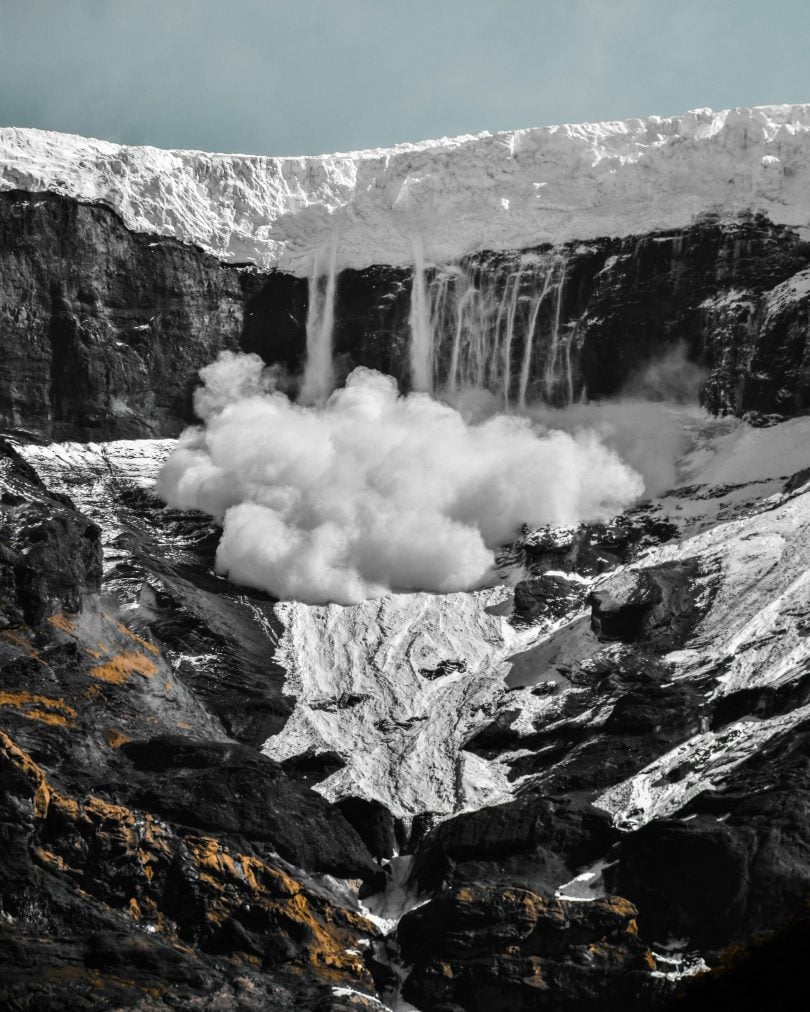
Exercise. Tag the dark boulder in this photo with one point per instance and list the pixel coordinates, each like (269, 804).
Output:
(657, 605)
(546, 596)
(719, 880)
(374, 824)
(534, 841)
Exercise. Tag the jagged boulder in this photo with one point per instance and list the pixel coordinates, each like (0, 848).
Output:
(534, 841)
(656, 606)
(546, 596)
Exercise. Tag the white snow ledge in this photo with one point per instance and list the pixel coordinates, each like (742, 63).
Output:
(491, 191)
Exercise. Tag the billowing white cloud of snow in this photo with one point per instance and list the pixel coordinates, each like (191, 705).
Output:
(374, 491)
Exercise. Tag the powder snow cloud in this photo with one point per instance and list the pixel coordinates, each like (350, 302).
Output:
(375, 492)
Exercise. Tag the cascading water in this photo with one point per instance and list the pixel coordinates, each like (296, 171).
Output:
(493, 322)
(551, 371)
(499, 326)
(421, 348)
(319, 373)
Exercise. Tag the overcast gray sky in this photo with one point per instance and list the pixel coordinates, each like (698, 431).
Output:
(310, 76)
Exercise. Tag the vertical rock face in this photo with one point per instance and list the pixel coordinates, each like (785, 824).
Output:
(589, 318)
(104, 329)
(484, 949)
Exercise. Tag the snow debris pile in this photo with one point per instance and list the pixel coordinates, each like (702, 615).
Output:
(373, 491)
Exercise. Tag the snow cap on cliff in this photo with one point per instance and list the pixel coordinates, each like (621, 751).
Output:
(491, 191)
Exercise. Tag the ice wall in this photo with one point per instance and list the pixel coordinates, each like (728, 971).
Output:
(499, 191)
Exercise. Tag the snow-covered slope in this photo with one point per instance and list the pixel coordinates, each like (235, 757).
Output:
(443, 198)
(396, 687)
(754, 636)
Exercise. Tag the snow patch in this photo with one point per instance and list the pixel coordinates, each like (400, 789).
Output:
(395, 686)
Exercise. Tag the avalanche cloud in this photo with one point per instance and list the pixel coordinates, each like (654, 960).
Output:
(373, 491)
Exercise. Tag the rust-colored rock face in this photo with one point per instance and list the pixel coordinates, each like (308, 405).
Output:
(144, 867)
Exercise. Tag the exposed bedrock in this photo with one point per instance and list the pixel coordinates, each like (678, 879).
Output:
(534, 841)
(103, 329)
(149, 859)
(655, 606)
(736, 863)
(485, 948)
(50, 554)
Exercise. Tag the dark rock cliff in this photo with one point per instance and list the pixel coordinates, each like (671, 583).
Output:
(103, 330)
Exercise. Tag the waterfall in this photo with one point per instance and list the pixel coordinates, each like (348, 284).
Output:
(494, 322)
(551, 367)
(319, 373)
(509, 336)
(525, 370)
(421, 348)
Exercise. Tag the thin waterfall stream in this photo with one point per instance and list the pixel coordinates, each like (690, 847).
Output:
(319, 372)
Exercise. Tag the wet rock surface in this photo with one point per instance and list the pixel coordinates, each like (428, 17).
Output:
(104, 329)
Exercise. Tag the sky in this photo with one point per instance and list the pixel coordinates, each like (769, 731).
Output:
(289, 77)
